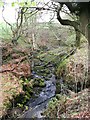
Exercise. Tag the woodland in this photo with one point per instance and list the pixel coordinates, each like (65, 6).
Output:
(44, 59)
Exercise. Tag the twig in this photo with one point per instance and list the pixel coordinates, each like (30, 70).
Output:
(6, 20)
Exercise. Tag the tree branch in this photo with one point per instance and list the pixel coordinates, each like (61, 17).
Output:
(70, 7)
(70, 23)
(22, 12)
(66, 21)
(6, 20)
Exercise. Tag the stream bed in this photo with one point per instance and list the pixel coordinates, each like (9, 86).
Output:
(37, 105)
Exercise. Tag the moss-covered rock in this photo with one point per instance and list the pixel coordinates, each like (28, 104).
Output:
(38, 68)
(50, 75)
(38, 82)
(42, 84)
(47, 71)
(58, 96)
(58, 87)
(54, 104)
(60, 71)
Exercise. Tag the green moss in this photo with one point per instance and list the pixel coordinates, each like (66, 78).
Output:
(28, 89)
(50, 75)
(39, 82)
(46, 78)
(58, 87)
(38, 68)
(8, 105)
(20, 105)
(42, 84)
(45, 75)
(61, 68)
(21, 99)
(47, 71)
(54, 104)
(58, 96)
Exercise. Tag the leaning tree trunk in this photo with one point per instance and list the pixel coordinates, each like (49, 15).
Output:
(88, 29)
(85, 21)
(85, 26)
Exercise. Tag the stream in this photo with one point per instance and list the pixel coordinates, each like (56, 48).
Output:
(39, 104)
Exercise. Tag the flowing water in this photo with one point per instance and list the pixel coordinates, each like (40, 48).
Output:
(39, 104)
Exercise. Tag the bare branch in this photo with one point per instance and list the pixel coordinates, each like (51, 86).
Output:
(36, 11)
(52, 17)
(69, 5)
(66, 21)
(70, 15)
(6, 20)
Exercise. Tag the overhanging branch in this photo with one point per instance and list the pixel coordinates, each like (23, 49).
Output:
(70, 23)
(71, 6)
(6, 20)
(66, 21)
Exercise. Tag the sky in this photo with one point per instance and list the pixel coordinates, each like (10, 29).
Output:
(9, 12)
(71, 0)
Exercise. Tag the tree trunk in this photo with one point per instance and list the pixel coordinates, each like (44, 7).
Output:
(78, 36)
(85, 26)
(85, 21)
(89, 57)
